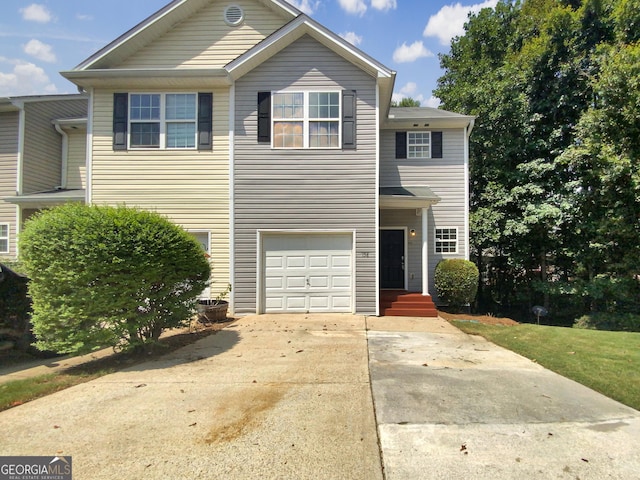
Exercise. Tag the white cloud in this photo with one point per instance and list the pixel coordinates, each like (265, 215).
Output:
(352, 38)
(25, 78)
(449, 21)
(40, 50)
(384, 5)
(84, 17)
(357, 7)
(36, 13)
(433, 102)
(305, 6)
(410, 53)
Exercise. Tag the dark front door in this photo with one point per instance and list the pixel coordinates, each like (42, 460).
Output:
(392, 259)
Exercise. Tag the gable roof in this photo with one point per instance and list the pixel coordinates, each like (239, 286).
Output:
(157, 24)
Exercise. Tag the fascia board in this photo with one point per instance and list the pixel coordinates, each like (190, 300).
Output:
(149, 78)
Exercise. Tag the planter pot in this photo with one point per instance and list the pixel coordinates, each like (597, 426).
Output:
(212, 311)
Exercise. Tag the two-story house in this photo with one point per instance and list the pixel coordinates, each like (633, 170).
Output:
(42, 158)
(272, 139)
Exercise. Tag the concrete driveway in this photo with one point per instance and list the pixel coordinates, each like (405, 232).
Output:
(268, 397)
(292, 397)
(453, 406)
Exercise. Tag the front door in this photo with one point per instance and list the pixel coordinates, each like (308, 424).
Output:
(392, 259)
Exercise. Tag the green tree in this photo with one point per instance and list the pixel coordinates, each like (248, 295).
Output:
(108, 276)
(529, 71)
(406, 102)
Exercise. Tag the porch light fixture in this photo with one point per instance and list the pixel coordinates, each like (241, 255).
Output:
(412, 232)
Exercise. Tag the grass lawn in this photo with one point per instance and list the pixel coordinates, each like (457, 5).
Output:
(608, 362)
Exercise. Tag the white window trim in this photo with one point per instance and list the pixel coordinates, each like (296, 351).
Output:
(436, 240)
(306, 120)
(409, 145)
(7, 237)
(163, 122)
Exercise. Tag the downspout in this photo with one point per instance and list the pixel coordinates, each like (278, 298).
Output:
(89, 149)
(65, 154)
(467, 199)
(19, 167)
(232, 236)
(377, 202)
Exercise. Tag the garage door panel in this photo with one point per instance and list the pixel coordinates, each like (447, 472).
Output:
(308, 273)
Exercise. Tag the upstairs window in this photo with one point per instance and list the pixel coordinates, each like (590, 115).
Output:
(419, 144)
(162, 121)
(307, 120)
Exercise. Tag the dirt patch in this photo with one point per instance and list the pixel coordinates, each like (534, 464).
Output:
(486, 319)
(243, 412)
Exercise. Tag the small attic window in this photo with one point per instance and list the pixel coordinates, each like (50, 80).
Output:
(233, 15)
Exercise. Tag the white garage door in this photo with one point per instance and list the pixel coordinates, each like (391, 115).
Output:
(308, 273)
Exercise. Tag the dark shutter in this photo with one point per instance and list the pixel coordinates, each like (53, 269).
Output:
(264, 117)
(205, 118)
(436, 144)
(401, 144)
(349, 119)
(120, 117)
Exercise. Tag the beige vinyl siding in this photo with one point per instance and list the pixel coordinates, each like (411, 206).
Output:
(305, 189)
(206, 41)
(190, 187)
(8, 170)
(77, 159)
(42, 156)
(446, 177)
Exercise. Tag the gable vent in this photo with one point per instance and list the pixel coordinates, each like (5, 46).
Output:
(233, 15)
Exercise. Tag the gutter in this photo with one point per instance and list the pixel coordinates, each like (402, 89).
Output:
(65, 154)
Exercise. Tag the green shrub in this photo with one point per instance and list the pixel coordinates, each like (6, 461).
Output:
(456, 282)
(108, 276)
(626, 322)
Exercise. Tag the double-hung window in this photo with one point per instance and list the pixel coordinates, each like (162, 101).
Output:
(419, 145)
(162, 120)
(447, 240)
(4, 238)
(306, 119)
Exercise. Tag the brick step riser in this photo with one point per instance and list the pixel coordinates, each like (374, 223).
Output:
(404, 312)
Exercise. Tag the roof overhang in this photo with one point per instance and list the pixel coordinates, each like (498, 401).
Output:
(47, 199)
(149, 78)
(71, 123)
(429, 118)
(407, 197)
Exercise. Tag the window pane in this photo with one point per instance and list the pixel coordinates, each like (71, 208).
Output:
(4, 231)
(145, 135)
(288, 135)
(446, 240)
(324, 105)
(181, 106)
(181, 135)
(4, 238)
(288, 105)
(323, 134)
(144, 106)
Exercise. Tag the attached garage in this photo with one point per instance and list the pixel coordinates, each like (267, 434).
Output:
(306, 272)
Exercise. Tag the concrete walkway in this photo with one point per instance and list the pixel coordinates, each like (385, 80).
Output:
(293, 397)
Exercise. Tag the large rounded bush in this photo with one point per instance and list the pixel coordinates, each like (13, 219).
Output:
(108, 276)
(456, 282)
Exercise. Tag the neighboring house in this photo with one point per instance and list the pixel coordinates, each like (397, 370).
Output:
(273, 141)
(42, 158)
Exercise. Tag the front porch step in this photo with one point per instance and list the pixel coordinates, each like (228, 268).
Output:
(399, 303)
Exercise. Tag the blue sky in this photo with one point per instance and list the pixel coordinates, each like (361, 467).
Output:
(39, 39)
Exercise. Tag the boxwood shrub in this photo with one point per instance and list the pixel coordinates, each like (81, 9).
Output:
(456, 282)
